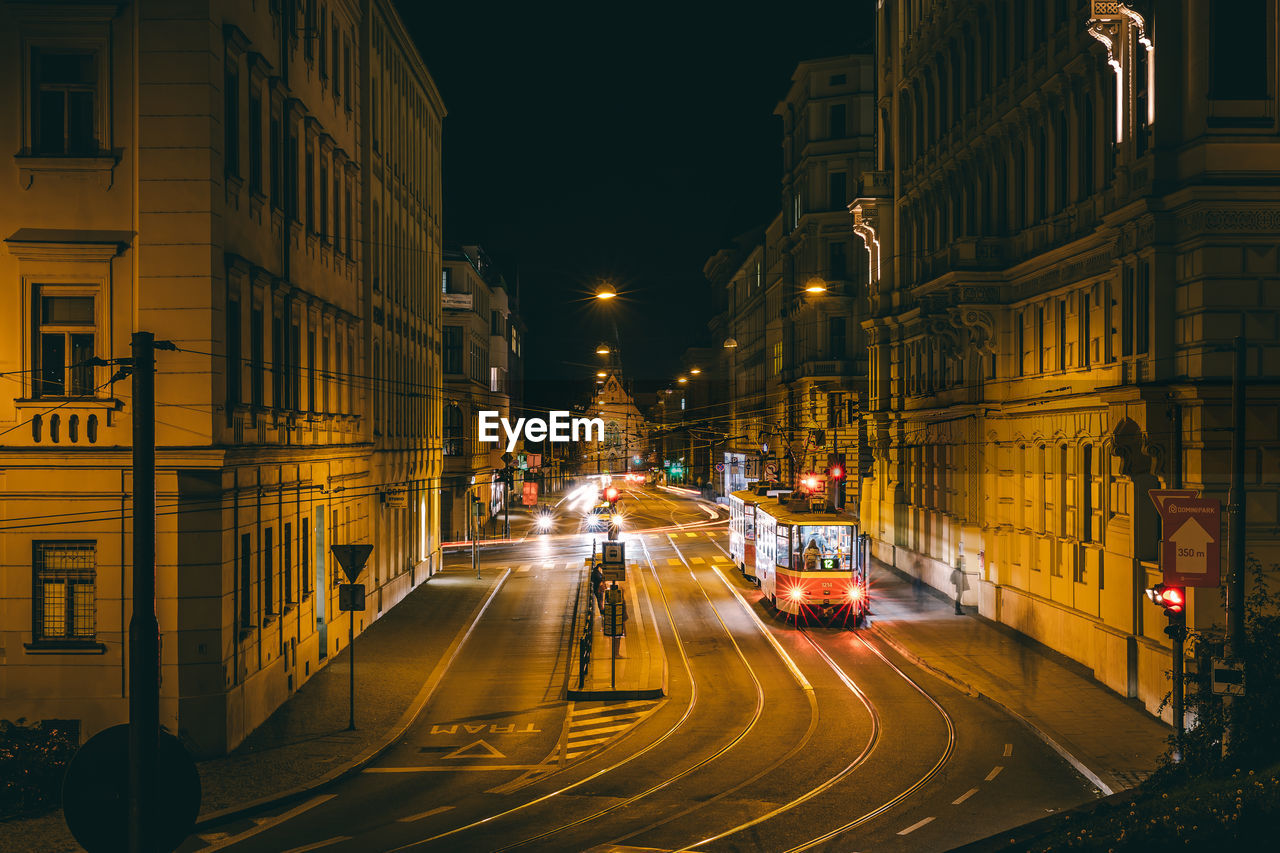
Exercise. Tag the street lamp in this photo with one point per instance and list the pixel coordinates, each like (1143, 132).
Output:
(695, 370)
(683, 379)
(601, 374)
(730, 343)
(603, 349)
(815, 285)
(606, 291)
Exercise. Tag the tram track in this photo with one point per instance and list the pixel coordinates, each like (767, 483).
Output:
(604, 772)
(859, 760)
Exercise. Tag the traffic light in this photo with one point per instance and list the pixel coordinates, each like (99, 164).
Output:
(835, 474)
(1174, 601)
(611, 495)
(810, 483)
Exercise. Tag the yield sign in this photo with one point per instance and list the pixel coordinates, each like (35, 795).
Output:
(352, 558)
(479, 749)
(1190, 554)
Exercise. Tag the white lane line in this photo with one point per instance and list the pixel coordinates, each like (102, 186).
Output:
(265, 825)
(421, 815)
(994, 773)
(915, 826)
(304, 848)
(1008, 750)
(966, 795)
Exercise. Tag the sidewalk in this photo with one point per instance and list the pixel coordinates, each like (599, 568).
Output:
(641, 667)
(1112, 741)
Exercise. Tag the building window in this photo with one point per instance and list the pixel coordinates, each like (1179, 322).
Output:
(255, 141)
(63, 591)
(453, 431)
(1239, 50)
(836, 337)
(246, 581)
(836, 121)
(64, 101)
(268, 572)
(777, 358)
(452, 341)
(275, 147)
(65, 343)
(837, 260)
(837, 190)
(231, 120)
(309, 182)
(286, 563)
(256, 357)
(446, 281)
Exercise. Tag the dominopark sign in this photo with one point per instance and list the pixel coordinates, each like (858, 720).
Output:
(1191, 551)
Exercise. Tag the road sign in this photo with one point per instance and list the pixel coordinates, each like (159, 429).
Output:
(351, 596)
(506, 459)
(352, 558)
(530, 494)
(1161, 496)
(614, 573)
(535, 460)
(612, 553)
(1190, 554)
(1228, 677)
(95, 792)
(719, 467)
(614, 612)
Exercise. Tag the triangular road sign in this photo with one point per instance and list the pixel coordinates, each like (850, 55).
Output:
(352, 558)
(479, 749)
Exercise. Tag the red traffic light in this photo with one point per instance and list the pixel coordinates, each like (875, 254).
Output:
(811, 482)
(611, 494)
(835, 472)
(1172, 598)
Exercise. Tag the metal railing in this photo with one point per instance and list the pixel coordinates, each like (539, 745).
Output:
(586, 607)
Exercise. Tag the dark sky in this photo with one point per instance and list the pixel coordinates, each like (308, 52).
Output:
(582, 145)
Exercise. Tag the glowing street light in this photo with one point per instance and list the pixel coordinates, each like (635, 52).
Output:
(815, 285)
(602, 374)
(730, 343)
(606, 291)
(695, 370)
(603, 349)
(683, 379)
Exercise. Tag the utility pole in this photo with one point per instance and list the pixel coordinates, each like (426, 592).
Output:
(144, 630)
(1235, 529)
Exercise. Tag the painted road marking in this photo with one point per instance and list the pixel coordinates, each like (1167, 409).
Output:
(304, 848)
(1008, 750)
(966, 795)
(696, 560)
(604, 729)
(523, 569)
(603, 709)
(267, 824)
(421, 815)
(994, 773)
(592, 726)
(477, 728)
(691, 535)
(480, 749)
(915, 826)
(672, 561)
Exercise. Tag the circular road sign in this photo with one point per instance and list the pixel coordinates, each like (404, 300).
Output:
(95, 793)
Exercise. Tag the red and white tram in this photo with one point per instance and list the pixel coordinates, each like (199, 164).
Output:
(807, 563)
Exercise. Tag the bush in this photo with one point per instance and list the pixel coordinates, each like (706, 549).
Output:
(33, 760)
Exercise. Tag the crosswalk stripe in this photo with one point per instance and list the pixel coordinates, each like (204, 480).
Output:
(575, 744)
(641, 703)
(596, 721)
(696, 560)
(672, 561)
(691, 535)
(604, 729)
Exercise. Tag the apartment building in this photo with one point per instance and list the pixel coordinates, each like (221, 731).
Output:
(1072, 216)
(205, 175)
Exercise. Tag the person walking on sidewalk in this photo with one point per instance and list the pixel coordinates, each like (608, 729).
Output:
(960, 583)
(597, 586)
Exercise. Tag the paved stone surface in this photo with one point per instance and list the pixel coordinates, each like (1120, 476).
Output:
(1113, 738)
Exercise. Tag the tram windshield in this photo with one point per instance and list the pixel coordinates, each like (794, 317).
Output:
(823, 547)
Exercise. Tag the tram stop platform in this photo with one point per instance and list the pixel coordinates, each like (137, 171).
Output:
(640, 669)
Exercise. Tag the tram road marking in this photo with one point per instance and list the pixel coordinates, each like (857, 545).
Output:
(672, 561)
(915, 826)
(304, 848)
(1008, 750)
(477, 728)
(426, 814)
(603, 709)
(480, 749)
(966, 795)
(995, 771)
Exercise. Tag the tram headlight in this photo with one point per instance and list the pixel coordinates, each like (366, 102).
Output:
(545, 521)
(796, 593)
(855, 593)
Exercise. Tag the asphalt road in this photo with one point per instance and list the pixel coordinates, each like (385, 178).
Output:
(772, 737)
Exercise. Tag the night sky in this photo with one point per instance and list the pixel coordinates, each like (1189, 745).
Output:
(582, 145)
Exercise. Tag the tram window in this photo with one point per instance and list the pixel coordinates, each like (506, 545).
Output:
(783, 554)
(749, 523)
(824, 547)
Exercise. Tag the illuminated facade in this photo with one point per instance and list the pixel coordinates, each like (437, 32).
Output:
(207, 179)
(1074, 213)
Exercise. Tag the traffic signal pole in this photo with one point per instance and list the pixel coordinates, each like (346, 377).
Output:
(144, 630)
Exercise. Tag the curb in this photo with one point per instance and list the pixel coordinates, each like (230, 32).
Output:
(965, 687)
(370, 754)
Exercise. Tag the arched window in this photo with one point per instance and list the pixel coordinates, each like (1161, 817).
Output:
(611, 434)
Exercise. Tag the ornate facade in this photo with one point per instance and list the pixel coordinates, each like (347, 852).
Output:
(1074, 213)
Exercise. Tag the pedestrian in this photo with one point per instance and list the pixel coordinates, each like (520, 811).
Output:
(958, 579)
(597, 586)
